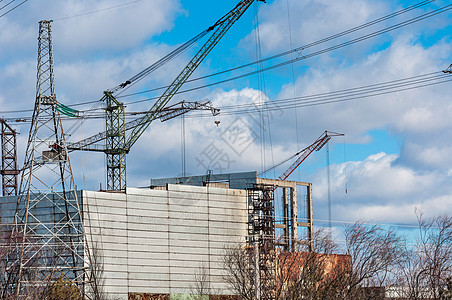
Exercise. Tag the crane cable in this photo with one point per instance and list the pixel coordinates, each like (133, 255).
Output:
(167, 58)
(173, 54)
(328, 172)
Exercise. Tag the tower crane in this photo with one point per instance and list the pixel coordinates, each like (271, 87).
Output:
(117, 143)
(303, 154)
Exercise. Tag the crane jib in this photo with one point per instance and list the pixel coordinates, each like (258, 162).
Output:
(222, 27)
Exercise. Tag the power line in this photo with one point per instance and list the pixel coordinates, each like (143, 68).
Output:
(362, 38)
(299, 49)
(319, 52)
(275, 56)
(12, 8)
(327, 96)
(348, 94)
(357, 90)
(327, 101)
(6, 4)
(96, 11)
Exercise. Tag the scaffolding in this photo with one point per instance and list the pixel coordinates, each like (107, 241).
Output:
(261, 230)
(262, 227)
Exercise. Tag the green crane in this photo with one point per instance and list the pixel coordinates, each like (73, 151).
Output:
(118, 144)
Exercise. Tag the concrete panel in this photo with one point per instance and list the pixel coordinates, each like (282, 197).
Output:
(135, 276)
(159, 239)
(189, 243)
(149, 269)
(147, 228)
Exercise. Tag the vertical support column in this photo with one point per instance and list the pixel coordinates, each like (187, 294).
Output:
(294, 218)
(115, 143)
(286, 218)
(310, 217)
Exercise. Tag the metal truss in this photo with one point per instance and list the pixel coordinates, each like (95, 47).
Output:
(115, 144)
(48, 221)
(9, 169)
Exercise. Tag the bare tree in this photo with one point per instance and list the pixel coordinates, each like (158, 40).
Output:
(237, 263)
(372, 254)
(200, 287)
(426, 271)
(298, 275)
(96, 286)
(375, 253)
(309, 274)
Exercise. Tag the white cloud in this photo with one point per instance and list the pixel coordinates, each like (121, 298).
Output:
(120, 28)
(117, 28)
(309, 21)
(378, 189)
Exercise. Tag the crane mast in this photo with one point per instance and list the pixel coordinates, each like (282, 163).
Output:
(117, 144)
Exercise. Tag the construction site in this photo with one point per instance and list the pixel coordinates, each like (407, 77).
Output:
(148, 242)
(152, 241)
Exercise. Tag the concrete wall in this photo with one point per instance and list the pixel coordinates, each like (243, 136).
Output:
(155, 241)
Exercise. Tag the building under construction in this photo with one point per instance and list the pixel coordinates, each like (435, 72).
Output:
(128, 241)
(153, 241)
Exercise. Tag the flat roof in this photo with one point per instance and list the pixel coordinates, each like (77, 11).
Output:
(241, 180)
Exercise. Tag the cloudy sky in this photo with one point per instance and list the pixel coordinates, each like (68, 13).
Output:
(380, 84)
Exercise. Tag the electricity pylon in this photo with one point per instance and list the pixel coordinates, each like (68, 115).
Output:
(48, 221)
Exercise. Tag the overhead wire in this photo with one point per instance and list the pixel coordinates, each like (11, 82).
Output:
(383, 88)
(310, 99)
(359, 90)
(6, 4)
(96, 11)
(316, 53)
(298, 49)
(326, 101)
(441, 10)
(11, 8)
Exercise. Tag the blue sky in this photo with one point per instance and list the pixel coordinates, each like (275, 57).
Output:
(396, 153)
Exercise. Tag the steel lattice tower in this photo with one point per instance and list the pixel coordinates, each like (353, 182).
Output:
(115, 143)
(48, 217)
(9, 170)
